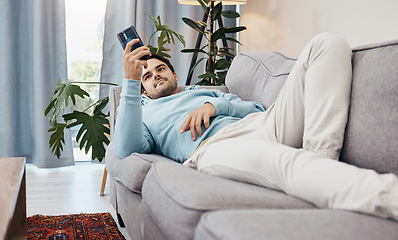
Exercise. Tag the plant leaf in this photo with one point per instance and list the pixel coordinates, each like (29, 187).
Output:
(162, 51)
(218, 34)
(164, 54)
(57, 139)
(180, 37)
(210, 65)
(92, 133)
(221, 78)
(101, 105)
(230, 14)
(166, 36)
(63, 94)
(196, 64)
(203, 82)
(155, 23)
(226, 53)
(203, 4)
(216, 12)
(159, 21)
(235, 29)
(192, 24)
(226, 49)
(161, 39)
(49, 107)
(152, 48)
(193, 50)
(222, 64)
(207, 75)
(232, 39)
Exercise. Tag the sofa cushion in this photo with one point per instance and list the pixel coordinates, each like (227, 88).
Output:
(176, 196)
(258, 76)
(132, 170)
(293, 224)
(371, 135)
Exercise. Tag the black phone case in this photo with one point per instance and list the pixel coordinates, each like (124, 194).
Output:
(129, 34)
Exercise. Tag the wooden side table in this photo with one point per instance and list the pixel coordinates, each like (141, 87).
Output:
(12, 198)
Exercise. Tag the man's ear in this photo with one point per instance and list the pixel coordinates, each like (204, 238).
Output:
(145, 93)
(175, 75)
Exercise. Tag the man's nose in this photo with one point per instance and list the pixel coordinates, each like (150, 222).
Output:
(157, 76)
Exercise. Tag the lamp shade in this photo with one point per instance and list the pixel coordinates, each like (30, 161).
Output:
(224, 2)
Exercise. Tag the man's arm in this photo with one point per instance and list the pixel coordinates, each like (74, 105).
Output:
(223, 104)
(131, 134)
(230, 105)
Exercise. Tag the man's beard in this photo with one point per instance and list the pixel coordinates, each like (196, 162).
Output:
(167, 91)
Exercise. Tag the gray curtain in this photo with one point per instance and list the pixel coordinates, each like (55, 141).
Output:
(32, 59)
(120, 14)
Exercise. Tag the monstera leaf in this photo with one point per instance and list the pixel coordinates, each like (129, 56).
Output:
(92, 132)
(63, 93)
(57, 139)
(94, 126)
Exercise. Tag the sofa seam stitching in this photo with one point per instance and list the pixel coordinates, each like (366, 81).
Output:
(265, 67)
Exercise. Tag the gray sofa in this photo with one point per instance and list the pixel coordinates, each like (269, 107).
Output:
(157, 198)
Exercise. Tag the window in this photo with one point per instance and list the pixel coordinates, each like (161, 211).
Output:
(84, 38)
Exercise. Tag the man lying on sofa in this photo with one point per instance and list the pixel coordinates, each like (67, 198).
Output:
(293, 146)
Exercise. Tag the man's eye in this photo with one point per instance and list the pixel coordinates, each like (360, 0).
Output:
(146, 77)
(161, 69)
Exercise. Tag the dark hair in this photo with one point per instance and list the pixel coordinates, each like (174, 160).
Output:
(163, 59)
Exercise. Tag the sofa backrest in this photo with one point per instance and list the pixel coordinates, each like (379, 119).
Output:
(258, 76)
(371, 138)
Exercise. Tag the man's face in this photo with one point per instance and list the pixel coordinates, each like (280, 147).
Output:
(158, 80)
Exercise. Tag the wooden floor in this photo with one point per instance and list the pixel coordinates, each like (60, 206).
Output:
(67, 190)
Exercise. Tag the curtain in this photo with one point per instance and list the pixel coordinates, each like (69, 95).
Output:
(120, 14)
(32, 59)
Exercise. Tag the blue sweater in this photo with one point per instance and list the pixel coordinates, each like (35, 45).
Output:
(147, 125)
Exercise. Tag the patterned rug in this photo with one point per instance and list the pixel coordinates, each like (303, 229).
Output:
(73, 227)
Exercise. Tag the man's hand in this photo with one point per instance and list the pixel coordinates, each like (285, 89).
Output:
(131, 60)
(195, 119)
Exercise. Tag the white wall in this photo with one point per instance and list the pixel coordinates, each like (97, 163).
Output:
(287, 25)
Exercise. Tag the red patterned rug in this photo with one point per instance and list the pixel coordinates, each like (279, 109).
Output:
(73, 227)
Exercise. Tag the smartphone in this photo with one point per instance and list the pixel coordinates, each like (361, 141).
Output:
(129, 34)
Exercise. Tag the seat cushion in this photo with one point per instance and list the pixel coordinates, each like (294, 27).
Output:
(293, 224)
(371, 135)
(176, 196)
(258, 76)
(132, 170)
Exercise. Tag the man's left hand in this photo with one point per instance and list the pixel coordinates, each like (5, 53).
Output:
(195, 119)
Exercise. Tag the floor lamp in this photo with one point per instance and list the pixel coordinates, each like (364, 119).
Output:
(211, 5)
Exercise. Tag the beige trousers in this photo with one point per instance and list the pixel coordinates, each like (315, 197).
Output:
(293, 145)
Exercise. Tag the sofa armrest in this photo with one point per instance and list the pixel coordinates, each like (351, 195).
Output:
(114, 100)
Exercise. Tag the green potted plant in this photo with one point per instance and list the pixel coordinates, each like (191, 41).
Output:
(94, 131)
(218, 59)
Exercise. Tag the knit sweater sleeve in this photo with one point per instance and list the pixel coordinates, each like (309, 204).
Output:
(131, 134)
(230, 105)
